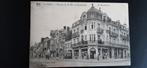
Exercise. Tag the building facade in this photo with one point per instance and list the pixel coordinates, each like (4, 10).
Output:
(58, 39)
(68, 50)
(39, 50)
(96, 36)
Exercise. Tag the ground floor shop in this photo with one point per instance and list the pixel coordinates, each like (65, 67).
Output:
(100, 53)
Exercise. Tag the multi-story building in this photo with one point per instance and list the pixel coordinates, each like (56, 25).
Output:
(58, 38)
(96, 36)
(68, 50)
(39, 50)
(51, 47)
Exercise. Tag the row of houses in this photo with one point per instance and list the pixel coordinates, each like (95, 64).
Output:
(53, 46)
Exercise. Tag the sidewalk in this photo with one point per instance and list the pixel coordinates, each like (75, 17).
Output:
(81, 62)
(77, 60)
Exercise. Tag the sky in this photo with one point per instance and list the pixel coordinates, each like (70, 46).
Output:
(46, 16)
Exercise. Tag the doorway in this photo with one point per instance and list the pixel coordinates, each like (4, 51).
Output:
(92, 53)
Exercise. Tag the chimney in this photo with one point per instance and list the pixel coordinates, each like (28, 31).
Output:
(68, 28)
(64, 27)
(42, 39)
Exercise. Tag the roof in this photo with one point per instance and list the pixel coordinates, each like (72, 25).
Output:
(93, 9)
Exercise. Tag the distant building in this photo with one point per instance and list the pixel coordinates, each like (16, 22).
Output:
(68, 50)
(39, 50)
(96, 36)
(58, 38)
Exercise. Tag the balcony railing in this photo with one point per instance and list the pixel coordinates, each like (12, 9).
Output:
(112, 34)
(99, 43)
(111, 44)
(76, 34)
(82, 31)
(100, 30)
(126, 38)
(85, 43)
(82, 43)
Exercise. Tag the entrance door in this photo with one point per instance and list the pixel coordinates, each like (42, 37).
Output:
(92, 53)
(110, 53)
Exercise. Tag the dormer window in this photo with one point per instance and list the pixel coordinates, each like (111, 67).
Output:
(98, 25)
(109, 28)
(84, 16)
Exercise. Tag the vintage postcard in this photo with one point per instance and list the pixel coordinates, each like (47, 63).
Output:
(75, 34)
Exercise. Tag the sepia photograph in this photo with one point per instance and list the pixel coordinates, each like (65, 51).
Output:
(79, 34)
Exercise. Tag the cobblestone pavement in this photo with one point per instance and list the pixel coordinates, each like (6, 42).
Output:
(77, 62)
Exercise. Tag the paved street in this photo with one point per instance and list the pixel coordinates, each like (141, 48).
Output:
(77, 62)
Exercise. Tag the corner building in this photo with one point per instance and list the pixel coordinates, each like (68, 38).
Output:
(96, 36)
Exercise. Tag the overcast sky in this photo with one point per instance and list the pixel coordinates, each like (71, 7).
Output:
(46, 16)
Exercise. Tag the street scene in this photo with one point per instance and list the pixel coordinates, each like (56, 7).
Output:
(80, 34)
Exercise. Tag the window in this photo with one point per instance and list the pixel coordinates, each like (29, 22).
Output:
(110, 38)
(74, 40)
(109, 28)
(94, 24)
(84, 16)
(94, 37)
(82, 37)
(77, 39)
(74, 30)
(104, 18)
(98, 36)
(90, 37)
(85, 27)
(91, 25)
(85, 37)
(77, 29)
(98, 24)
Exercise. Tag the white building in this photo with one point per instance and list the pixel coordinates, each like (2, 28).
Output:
(96, 36)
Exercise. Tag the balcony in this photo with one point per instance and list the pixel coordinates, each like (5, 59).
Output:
(100, 30)
(111, 44)
(100, 41)
(112, 34)
(76, 44)
(125, 38)
(84, 42)
(93, 42)
(76, 34)
(82, 31)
